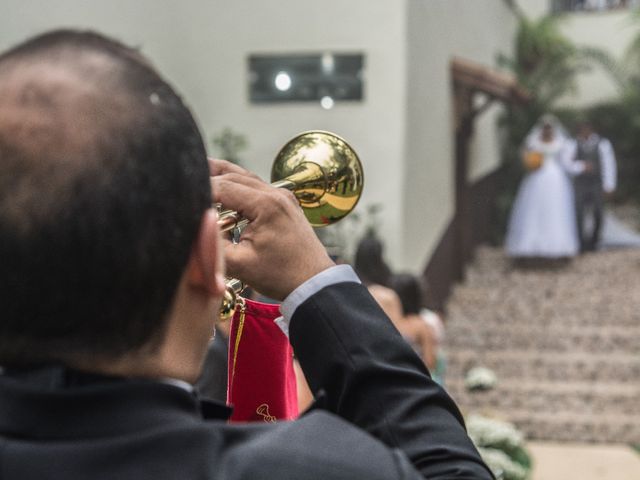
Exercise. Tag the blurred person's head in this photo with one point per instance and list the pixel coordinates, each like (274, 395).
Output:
(369, 262)
(409, 289)
(106, 241)
(547, 131)
(585, 130)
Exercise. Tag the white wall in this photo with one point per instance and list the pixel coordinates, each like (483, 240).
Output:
(374, 127)
(201, 46)
(610, 31)
(438, 30)
(402, 130)
(535, 8)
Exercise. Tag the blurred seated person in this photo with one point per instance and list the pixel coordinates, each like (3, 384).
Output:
(434, 320)
(369, 261)
(412, 325)
(375, 274)
(111, 283)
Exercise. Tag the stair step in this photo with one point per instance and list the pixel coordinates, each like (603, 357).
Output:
(543, 317)
(487, 340)
(579, 366)
(601, 428)
(552, 398)
(563, 342)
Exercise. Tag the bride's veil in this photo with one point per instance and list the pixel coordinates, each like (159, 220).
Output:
(559, 132)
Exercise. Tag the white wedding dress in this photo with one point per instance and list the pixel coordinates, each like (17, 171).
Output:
(543, 218)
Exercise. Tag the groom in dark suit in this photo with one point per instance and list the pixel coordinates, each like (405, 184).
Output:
(594, 170)
(111, 278)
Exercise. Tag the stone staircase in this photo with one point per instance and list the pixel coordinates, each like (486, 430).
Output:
(563, 340)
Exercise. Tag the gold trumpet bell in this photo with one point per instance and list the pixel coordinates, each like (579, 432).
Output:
(325, 175)
(323, 172)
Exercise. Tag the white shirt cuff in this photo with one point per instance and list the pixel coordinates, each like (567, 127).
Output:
(177, 383)
(330, 276)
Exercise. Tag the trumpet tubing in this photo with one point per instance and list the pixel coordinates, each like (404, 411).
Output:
(326, 176)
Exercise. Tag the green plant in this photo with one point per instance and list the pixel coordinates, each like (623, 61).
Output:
(544, 60)
(230, 144)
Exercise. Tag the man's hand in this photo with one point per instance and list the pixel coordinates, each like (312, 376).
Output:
(278, 250)
(587, 167)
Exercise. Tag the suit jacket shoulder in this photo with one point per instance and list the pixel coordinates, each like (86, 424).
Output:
(317, 446)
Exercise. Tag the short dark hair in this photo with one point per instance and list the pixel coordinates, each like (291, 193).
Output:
(369, 263)
(409, 289)
(103, 184)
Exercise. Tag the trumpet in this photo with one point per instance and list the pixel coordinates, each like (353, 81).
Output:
(324, 173)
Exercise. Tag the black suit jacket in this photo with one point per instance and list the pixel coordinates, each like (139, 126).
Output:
(380, 416)
(213, 379)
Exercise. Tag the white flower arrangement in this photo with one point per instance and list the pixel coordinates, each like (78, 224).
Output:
(501, 446)
(480, 378)
(502, 466)
(488, 432)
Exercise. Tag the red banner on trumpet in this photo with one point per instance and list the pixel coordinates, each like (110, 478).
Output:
(262, 383)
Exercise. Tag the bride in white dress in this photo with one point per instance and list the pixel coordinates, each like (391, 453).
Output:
(543, 219)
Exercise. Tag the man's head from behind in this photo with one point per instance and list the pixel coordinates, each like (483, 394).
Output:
(103, 188)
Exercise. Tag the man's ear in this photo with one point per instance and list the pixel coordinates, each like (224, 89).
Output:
(205, 269)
